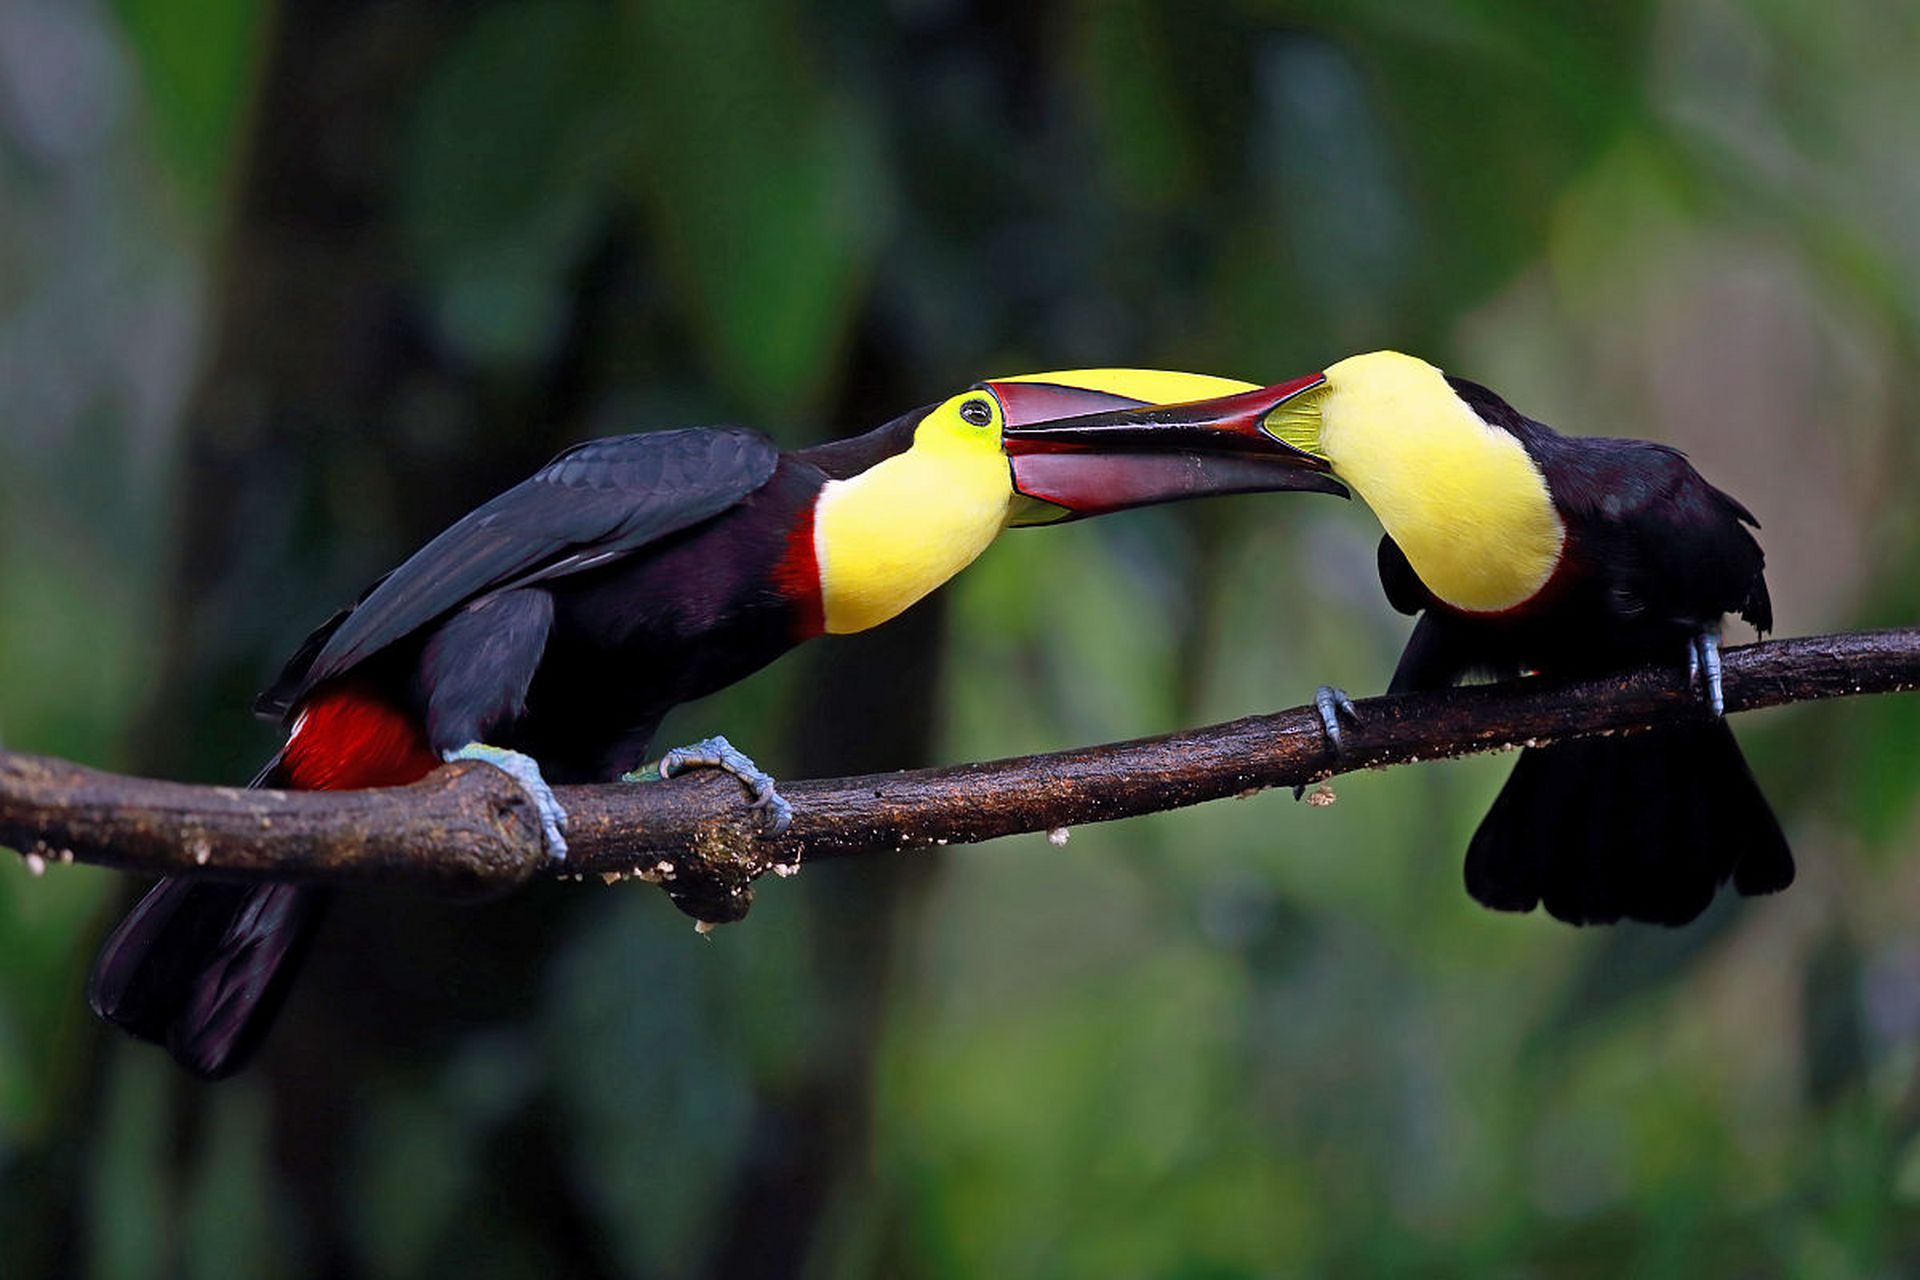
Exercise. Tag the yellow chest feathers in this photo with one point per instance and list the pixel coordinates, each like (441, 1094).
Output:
(1462, 498)
(891, 534)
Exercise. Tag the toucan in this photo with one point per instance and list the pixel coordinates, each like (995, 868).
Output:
(549, 630)
(1525, 551)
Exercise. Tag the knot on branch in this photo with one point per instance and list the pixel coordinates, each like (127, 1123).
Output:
(711, 875)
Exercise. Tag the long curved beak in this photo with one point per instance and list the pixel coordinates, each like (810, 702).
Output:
(1086, 447)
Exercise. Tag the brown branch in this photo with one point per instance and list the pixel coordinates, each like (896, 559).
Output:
(469, 830)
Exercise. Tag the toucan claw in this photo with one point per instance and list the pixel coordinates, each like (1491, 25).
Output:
(1333, 704)
(524, 770)
(717, 753)
(1703, 659)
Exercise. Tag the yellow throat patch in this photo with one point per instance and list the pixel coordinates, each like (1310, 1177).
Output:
(1461, 497)
(886, 537)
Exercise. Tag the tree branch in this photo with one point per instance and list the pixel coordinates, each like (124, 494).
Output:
(469, 830)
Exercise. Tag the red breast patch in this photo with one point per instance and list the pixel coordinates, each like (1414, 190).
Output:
(796, 576)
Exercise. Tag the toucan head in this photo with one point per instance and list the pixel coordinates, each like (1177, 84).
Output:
(1439, 463)
(1036, 449)
(1086, 442)
(1382, 400)
(1382, 418)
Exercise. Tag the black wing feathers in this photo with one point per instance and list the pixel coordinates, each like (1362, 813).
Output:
(1404, 589)
(593, 503)
(479, 665)
(1671, 546)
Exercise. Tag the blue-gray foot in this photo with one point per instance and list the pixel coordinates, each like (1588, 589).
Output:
(523, 770)
(1334, 705)
(1703, 665)
(717, 753)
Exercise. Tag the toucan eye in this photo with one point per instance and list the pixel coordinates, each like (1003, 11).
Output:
(976, 413)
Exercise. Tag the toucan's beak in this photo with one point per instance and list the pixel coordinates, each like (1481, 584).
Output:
(1080, 451)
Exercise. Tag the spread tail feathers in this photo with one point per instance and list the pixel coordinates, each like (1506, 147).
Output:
(202, 966)
(1644, 827)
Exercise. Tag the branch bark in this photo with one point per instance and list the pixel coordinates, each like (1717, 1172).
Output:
(468, 830)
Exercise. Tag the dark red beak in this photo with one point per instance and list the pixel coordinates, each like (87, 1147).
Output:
(1076, 452)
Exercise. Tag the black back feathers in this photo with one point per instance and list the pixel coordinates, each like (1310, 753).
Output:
(594, 503)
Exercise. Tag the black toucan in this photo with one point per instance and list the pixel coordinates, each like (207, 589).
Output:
(1524, 550)
(548, 631)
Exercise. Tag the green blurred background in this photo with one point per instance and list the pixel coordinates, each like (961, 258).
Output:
(284, 290)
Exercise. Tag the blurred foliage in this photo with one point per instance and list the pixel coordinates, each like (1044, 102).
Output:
(1250, 1039)
(197, 76)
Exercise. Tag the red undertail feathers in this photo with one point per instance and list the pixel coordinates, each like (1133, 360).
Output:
(346, 738)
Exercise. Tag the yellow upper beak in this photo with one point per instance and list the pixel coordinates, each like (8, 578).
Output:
(1094, 441)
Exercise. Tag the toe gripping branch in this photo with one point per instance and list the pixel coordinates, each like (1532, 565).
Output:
(1334, 706)
(1703, 664)
(717, 753)
(525, 771)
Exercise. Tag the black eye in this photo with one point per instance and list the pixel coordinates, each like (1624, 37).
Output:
(976, 413)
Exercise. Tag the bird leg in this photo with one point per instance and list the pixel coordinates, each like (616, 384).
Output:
(717, 753)
(1703, 659)
(525, 771)
(1334, 705)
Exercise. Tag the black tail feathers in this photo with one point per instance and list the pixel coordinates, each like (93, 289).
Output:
(1644, 827)
(202, 966)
